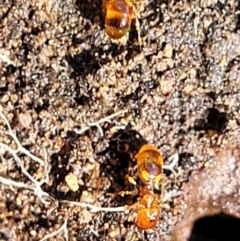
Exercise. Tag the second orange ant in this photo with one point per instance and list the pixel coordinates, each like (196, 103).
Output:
(150, 172)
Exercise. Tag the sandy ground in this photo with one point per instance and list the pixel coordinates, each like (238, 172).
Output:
(83, 106)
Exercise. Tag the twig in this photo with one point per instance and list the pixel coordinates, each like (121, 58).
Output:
(20, 148)
(62, 228)
(10, 182)
(18, 160)
(36, 185)
(97, 123)
(36, 188)
(92, 208)
(95, 209)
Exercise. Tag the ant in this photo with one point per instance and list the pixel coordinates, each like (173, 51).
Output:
(118, 16)
(150, 173)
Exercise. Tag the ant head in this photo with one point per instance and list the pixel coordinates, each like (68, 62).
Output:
(149, 166)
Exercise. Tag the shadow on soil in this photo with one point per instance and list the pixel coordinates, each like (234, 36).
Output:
(216, 228)
(119, 161)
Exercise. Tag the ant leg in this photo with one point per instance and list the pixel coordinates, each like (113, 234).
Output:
(174, 160)
(122, 193)
(130, 180)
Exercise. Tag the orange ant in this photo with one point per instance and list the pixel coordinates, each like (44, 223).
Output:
(118, 16)
(150, 172)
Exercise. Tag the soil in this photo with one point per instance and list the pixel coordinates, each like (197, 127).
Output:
(85, 105)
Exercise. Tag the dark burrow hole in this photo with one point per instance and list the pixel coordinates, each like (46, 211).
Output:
(119, 160)
(220, 227)
(214, 121)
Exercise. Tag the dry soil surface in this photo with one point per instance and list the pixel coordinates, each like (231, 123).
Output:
(83, 106)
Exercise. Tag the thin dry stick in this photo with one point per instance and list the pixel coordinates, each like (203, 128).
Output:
(10, 182)
(36, 188)
(36, 185)
(18, 160)
(95, 209)
(62, 228)
(97, 123)
(20, 148)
